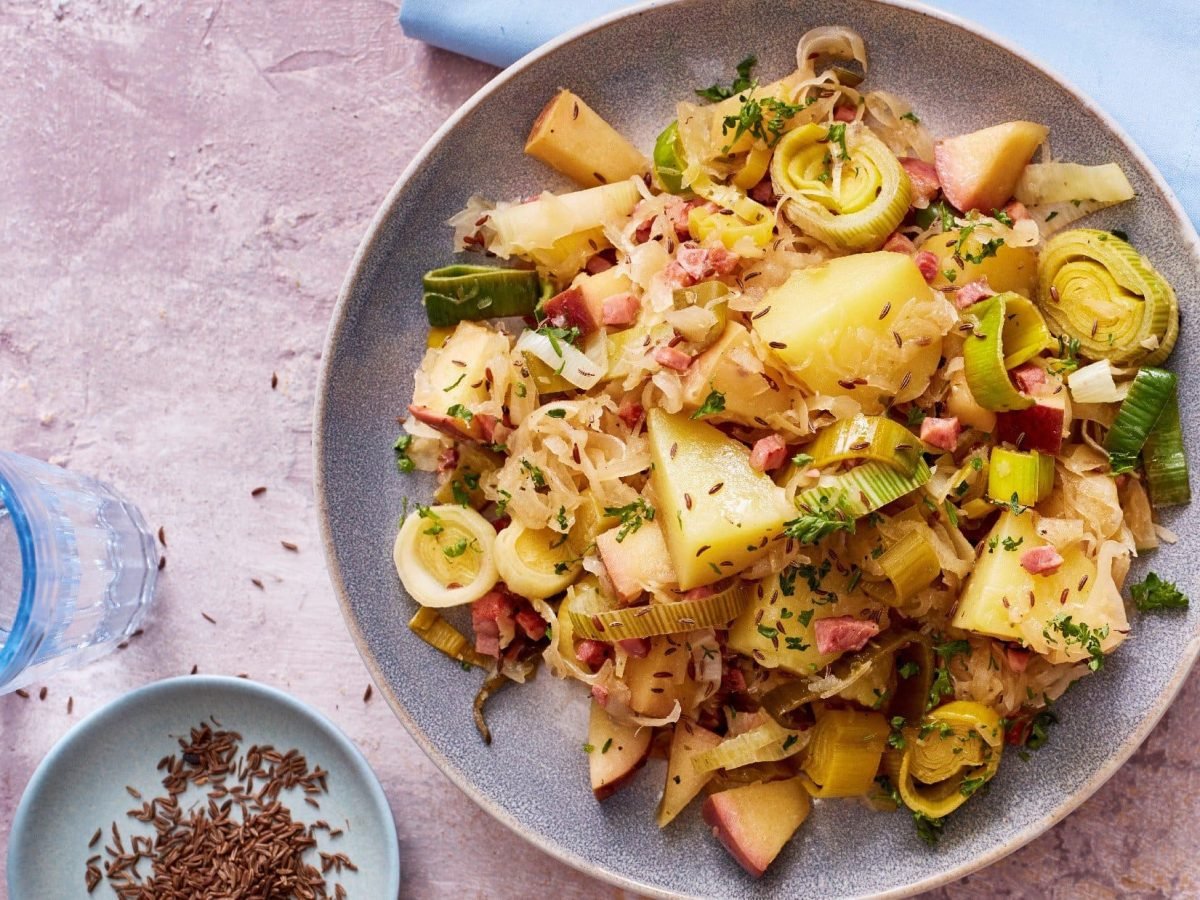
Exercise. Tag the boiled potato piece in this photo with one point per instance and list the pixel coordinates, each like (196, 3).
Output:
(733, 368)
(683, 781)
(835, 327)
(571, 137)
(980, 170)
(1010, 269)
(638, 561)
(718, 515)
(1001, 599)
(659, 678)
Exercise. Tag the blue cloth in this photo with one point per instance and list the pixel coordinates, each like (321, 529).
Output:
(1139, 62)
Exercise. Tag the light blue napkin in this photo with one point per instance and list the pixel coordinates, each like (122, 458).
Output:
(1140, 62)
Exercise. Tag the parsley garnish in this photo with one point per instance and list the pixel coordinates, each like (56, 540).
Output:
(502, 503)
(403, 462)
(631, 515)
(817, 525)
(534, 473)
(970, 785)
(559, 413)
(911, 117)
(1039, 729)
(568, 335)
(1010, 544)
(743, 82)
(928, 829)
(521, 389)
(1002, 217)
(607, 744)
(459, 411)
(588, 748)
(1154, 594)
(1080, 633)
(951, 649)
(764, 119)
(458, 548)
(802, 460)
(837, 135)
(561, 518)
(435, 527)
(805, 617)
(908, 669)
(896, 738)
(713, 403)
(767, 632)
(461, 497)
(916, 416)
(795, 643)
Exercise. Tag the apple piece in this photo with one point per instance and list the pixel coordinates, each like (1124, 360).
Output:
(732, 367)
(980, 170)
(1039, 427)
(824, 321)
(574, 139)
(755, 821)
(718, 515)
(683, 781)
(618, 751)
(636, 561)
(570, 309)
(659, 678)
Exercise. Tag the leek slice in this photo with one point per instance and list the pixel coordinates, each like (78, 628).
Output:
(851, 203)
(1025, 333)
(984, 358)
(535, 563)
(1094, 384)
(563, 359)
(540, 225)
(430, 627)
(454, 293)
(1150, 393)
(768, 742)
(445, 555)
(758, 160)
(868, 437)
(1098, 290)
(845, 751)
(945, 760)
(601, 623)
(669, 159)
(911, 564)
(862, 490)
(1163, 459)
(1020, 477)
(1057, 182)
(750, 218)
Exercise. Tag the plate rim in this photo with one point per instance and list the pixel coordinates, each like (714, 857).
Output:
(338, 320)
(258, 690)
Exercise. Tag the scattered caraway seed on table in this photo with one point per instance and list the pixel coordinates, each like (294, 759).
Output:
(242, 842)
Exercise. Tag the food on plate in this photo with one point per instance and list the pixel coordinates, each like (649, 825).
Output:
(815, 448)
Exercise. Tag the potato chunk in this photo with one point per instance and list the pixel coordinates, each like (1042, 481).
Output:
(717, 514)
(753, 392)
(572, 138)
(1008, 269)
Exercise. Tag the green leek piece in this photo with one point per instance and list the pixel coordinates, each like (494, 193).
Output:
(458, 292)
(768, 742)
(430, 627)
(604, 624)
(845, 751)
(984, 358)
(843, 185)
(1095, 288)
(668, 159)
(1019, 476)
(1025, 333)
(706, 295)
(1163, 459)
(862, 490)
(911, 563)
(868, 437)
(1151, 392)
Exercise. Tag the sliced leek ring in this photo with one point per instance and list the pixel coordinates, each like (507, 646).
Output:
(868, 437)
(1025, 334)
(535, 563)
(851, 204)
(445, 555)
(1097, 289)
(911, 563)
(598, 621)
(430, 627)
(984, 358)
(844, 752)
(750, 218)
(768, 742)
(863, 489)
(955, 751)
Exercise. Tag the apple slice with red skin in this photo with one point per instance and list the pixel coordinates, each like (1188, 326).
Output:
(618, 751)
(755, 821)
(684, 782)
(980, 170)
(571, 309)
(1039, 427)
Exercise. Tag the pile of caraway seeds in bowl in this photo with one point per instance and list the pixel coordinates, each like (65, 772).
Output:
(237, 840)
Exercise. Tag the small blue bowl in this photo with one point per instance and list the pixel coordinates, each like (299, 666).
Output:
(80, 785)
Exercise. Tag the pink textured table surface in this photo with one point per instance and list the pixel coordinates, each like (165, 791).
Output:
(182, 188)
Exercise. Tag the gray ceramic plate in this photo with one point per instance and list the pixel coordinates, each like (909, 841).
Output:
(80, 785)
(533, 778)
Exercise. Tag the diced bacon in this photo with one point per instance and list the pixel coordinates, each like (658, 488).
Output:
(706, 262)
(733, 680)
(449, 425)
(593, 654)
(620, 310)
(1041, 560)
(1017, 657)
(941, 433)
(639, 647)
(899, 243)
(678, 211)
(447, 460)
(1016, 211)
(924, 179)
(840, 634)
(630, 414)
(501, 523)
(488, 426)
(1038, 427)
(1029, 377)
(843, 114)
(599, 263)
(769, 453)
(599, 692)
(670, 358)
(973, 292)
(764, 192)
(532, 624)
(492, 620)
(568, 309)
(677, 277)
(928, 264)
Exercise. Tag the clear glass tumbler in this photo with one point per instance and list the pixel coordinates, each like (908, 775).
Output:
(77, 569)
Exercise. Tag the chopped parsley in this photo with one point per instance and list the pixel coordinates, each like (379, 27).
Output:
(916, 416)
(805, 617)
(713, 403)
(403, 462)
(558, 413)
(797, 644)
(502, 503)
(942, 685)
(459, 493)
(1039, 729)
(457, 549)
(520, 389)
(1123, 235)
(742, 82)
(607, 744)
(1081, 634)
(817, 525)
(896, 738)
(764, 119)
(928, 829)
(970, 785)
(1154, 594)
(561, 518)
(588, 748)
(911, 116)
(837, 135)
(631, 515)
(534, 473)
(768, 632)
(1002, 217)
(951, 275)
(1010, 544)
(436, 527)
(567, 335)
(791, 739)
(908, 669)
(802, 460)
(459, 411)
